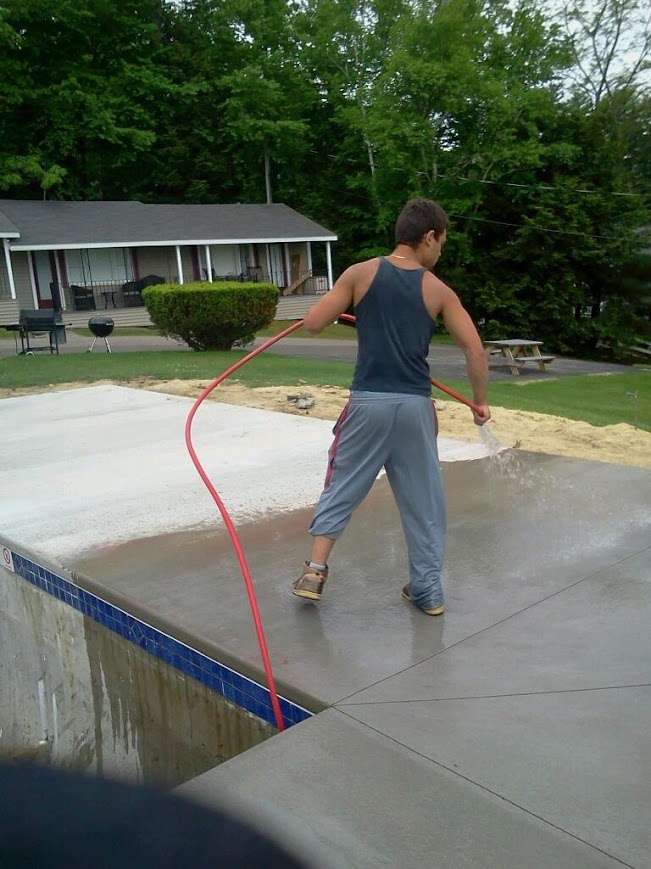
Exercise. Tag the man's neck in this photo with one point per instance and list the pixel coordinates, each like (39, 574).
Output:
(406, 254)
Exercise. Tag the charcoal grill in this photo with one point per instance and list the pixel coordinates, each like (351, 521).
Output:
(101, 327)
(40, 323)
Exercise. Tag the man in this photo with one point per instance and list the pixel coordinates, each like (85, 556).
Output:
(390, 420)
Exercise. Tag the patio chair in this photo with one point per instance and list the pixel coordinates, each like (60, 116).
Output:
(131, 293)
(132, 290)
(254, 273)
(83, 298)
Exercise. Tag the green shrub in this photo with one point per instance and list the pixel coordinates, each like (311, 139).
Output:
(211, 316)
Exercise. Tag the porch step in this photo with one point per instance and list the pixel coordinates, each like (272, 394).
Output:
(289, 308)
(122, 317)
(294, 307)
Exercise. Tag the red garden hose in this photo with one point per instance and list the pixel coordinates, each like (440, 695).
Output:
(235, 540)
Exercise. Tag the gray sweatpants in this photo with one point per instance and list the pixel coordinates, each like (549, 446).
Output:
(397, 432)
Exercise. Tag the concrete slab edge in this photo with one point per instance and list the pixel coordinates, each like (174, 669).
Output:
(204, 662)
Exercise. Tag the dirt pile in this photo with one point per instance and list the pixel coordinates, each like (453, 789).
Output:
(621, 444)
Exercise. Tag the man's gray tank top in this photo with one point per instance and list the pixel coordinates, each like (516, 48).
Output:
(394, 330)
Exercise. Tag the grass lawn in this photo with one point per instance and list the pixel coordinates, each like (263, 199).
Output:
(336, 332)
(601, 400)
(597, 400)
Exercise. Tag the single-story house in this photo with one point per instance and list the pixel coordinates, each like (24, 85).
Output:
(91, 256)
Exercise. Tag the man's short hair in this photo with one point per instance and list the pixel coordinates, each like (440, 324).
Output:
(418, 217)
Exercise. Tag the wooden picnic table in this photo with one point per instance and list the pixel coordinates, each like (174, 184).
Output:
(518, 352)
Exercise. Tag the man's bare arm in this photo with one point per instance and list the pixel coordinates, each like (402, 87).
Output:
(335, 302)
(459, 324)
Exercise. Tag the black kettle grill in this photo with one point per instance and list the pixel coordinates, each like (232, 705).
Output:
(101, 327)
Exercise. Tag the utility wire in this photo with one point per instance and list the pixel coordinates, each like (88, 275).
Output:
(367, 198)
(531, 226)
(546, 187)
(364, 197)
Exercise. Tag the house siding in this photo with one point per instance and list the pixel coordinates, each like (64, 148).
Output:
(156, 261)
(162, 261)
(22, 281)
(9, 311)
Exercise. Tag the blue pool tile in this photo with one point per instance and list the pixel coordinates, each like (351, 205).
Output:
(136, 632)
(227, 676)
(214, 683)
(260, 693)
(235, 687)
(228, 692)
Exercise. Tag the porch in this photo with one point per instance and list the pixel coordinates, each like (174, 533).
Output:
(124, 304)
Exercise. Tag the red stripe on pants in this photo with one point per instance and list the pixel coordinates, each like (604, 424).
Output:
(332, 452)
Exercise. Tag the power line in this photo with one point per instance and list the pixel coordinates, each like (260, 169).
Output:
(531, 226)
(356, 194)
(546, 187)
(561, 232)
(539, 186)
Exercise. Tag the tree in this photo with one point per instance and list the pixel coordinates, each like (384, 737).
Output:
(84, 87)
(611, 42)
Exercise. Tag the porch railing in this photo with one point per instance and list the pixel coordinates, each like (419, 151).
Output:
(308, 283)
(93, 297)
(98, 296)
(104, 295)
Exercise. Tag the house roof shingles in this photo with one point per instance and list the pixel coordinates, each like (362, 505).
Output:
(54, 224)
(7, 229)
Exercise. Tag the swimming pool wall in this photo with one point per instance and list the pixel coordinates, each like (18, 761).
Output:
(91, 685)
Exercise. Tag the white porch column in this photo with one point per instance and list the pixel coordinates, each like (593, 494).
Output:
(329, 259)
(208, 263)
(57, 269)
(179, 263)
(32, 279)
(309, 257)
(10, 273)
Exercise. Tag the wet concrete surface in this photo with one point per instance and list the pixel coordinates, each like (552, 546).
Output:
(368, 800)
(501, 559)
(512, 731)
(535, 687)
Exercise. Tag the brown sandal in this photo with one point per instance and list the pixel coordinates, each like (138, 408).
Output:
(310, 583)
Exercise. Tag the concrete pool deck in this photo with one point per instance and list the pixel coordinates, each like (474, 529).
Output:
(513, 731)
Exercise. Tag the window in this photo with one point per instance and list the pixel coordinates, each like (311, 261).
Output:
(111, 265)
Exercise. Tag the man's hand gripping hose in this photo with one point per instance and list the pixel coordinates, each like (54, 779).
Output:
(237, 546)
